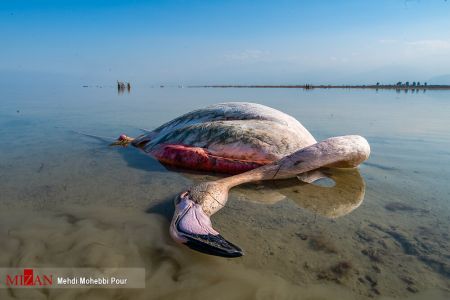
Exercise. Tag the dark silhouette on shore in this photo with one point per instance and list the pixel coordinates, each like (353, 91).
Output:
(398, 86)
(122, 86)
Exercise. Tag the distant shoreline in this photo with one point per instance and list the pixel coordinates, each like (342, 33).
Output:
(310, 87)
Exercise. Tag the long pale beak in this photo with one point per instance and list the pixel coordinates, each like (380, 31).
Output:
(192, 227)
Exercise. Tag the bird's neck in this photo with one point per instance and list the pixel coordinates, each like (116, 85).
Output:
(343, 151)
(266, 172)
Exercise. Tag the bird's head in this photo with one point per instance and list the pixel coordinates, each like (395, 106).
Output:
(191, 224)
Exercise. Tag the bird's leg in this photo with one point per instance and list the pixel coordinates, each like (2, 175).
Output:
(123, 140)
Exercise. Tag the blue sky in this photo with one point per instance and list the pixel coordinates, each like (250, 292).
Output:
(195, 42)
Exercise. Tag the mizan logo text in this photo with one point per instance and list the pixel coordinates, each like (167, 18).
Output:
(27, 278)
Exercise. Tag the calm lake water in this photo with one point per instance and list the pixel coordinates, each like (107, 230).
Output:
(69, 200)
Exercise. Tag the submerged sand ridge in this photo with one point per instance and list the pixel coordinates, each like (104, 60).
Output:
(125, 238)
(120, 237)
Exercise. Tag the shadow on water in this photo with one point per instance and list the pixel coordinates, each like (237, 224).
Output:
(380, 166)
(139, 160)
(165, 208)
(133, 157)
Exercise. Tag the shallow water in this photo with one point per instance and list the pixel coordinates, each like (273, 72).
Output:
(68, 200)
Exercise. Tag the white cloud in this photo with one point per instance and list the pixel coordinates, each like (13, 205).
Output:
(419, 44)
(435, 45)
(387, 41)
(248, 55)
(339, 59)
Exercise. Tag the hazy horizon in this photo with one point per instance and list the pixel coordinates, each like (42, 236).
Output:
(226, 42)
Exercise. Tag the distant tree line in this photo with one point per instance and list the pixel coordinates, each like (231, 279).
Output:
(412, 84)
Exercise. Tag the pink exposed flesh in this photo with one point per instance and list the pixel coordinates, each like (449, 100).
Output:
(200, 159)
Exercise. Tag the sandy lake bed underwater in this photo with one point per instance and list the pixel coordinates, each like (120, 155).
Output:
(69, 200)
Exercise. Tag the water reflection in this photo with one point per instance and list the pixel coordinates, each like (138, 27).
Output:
(331, 202)
(412, 91)
(342, 197)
